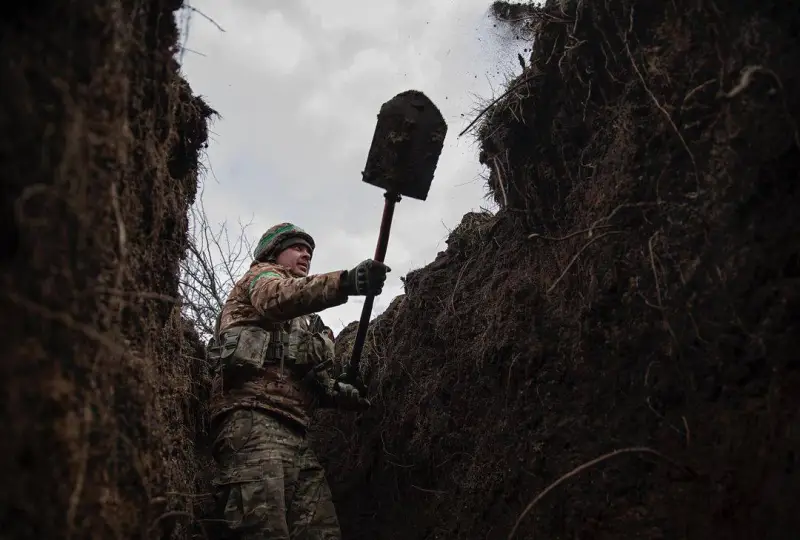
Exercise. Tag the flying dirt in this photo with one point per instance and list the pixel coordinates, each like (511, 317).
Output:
(612, 354)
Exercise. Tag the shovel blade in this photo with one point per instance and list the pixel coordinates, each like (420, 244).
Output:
(408, 140)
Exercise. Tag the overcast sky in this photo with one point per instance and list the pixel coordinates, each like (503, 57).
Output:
(298, 85)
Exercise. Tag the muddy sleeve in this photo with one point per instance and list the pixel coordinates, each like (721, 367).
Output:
(321, 383)
(280, 298)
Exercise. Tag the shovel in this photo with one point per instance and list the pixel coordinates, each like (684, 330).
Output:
(408, 140)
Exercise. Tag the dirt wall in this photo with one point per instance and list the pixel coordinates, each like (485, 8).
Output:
(99, 159)
(638, 292)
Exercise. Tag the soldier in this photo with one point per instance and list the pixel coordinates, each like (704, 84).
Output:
(274, 357)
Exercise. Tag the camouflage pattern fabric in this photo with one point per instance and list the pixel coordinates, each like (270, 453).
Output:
(280, 236)
(268, 293)
(268, 296)
(270, 485)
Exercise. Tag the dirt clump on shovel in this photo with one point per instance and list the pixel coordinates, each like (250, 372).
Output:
(99, 146)
(624, 331)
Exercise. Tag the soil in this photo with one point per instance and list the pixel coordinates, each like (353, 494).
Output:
(99, 159)
(611, 355)
(638, 291)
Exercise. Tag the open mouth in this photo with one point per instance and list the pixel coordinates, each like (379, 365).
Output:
(303, 267)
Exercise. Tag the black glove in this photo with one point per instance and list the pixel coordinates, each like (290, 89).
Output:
(348, 397)
(366, 279)
(336, 393)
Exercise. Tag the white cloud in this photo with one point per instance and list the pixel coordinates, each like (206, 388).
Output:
(299, 85)
(271, 42)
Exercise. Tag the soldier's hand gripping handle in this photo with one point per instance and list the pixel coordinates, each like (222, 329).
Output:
(352, 377)
(366, 279)
(349, 397)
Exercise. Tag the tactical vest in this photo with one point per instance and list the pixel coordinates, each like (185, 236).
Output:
(242, 356)
(253, 347)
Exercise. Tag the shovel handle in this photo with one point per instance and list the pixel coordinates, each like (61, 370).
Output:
(380, 254)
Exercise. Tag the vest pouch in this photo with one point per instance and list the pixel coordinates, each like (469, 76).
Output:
(313, 349)
(244, 347)
(213, 353)
(307, 350)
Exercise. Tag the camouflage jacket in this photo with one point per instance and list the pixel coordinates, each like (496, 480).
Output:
(268, 300)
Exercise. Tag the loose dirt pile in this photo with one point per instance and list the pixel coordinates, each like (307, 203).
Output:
(639, 288)
(99, 152)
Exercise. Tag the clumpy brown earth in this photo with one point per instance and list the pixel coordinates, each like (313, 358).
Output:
(98, 158)
(640, 288)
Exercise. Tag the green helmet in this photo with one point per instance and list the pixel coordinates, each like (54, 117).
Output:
(279, 237)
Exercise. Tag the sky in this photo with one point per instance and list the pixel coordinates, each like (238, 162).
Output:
(298, 86)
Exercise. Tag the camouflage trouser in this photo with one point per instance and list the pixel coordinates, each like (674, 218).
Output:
(270, 485)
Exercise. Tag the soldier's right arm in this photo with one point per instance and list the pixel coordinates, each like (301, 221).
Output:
(278, 296)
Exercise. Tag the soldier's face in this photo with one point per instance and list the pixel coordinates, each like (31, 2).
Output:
(296, 258)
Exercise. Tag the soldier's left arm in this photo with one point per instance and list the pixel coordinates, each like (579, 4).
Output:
(280, 298)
